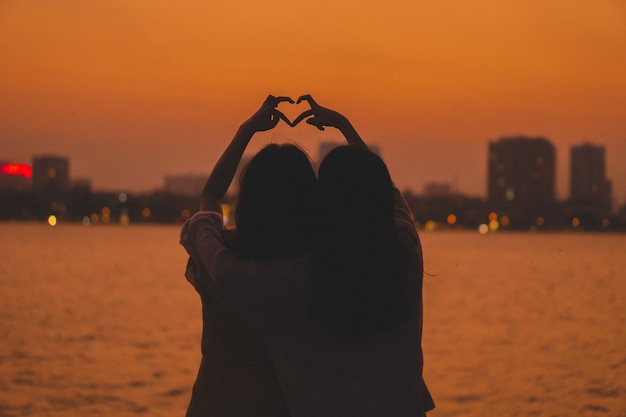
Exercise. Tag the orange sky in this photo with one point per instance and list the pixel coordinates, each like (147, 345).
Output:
(134, 90)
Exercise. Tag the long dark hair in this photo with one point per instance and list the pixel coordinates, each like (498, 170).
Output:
(275, 209)
(359, 268)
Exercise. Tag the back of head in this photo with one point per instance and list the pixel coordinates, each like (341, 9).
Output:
(355, 186)
(276, 205)
(358, 265)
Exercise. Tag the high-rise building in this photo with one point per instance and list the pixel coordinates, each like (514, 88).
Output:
(522, 172)
(50, 173)
(588, 182)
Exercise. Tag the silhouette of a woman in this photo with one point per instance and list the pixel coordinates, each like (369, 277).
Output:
(274, 220)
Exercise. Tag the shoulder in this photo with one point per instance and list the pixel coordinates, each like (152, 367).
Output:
(200, 224)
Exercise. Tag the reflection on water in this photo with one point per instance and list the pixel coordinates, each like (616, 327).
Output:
(100, 320)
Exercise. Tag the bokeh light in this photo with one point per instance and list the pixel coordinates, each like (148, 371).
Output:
(106, 215)
(510, 194)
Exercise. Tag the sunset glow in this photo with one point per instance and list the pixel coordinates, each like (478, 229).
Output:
(156, 88)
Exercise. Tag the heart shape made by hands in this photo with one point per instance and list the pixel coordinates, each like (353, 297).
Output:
(293, 111)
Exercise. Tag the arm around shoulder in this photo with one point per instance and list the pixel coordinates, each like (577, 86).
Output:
(215, 266)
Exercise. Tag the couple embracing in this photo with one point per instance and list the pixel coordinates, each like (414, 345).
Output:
(312, 306)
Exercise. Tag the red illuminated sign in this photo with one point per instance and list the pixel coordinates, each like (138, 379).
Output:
(17, 169)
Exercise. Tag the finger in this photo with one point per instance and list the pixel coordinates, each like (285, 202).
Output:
(281, 115)
(269, 102)
(302, 116)
(315, 123)
(309, 99)
(282, 99)
(271, 122)
(273, 101)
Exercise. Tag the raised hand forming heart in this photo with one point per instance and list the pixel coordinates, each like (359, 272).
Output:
(314, 110)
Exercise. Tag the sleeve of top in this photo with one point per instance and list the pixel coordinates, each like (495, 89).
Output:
(215, 267)
(406, 227)
(404, 221)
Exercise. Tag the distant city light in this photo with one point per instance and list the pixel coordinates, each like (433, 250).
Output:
(575, 222)
(504, 221)
(451, 219)
(52, 220)
(493, 225)
(86, 221)
(510, 194)
(493, 216)
(124, 218)
(540, 221)
(123, 197)
(605, 222)
(483, 229)
(145, 213)
(430, 225)
(106, 215)
(17, 169)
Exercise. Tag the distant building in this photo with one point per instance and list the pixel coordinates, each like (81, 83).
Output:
(437, 189)
(15, 176)
(587, 174)
(81, 185)
(588, 183)
(189, 185)
(522, 173)
(50, 173)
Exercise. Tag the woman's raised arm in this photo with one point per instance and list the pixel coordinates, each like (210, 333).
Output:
(222, 175)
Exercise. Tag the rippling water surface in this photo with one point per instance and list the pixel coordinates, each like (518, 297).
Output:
(100, 321)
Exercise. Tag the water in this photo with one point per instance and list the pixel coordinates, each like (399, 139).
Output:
(100, 321)
(526, 325)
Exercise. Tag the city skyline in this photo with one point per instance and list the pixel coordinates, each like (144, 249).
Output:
(133, 91)
(517, 164)
(521, 194)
